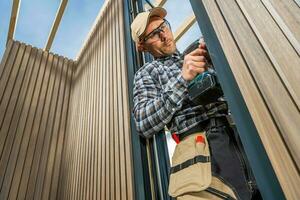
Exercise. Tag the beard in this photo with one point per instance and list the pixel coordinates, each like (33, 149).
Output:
(169, 47)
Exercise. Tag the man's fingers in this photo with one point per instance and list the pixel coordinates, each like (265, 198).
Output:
(198, 58)
(199, 64)
(197, 67)
(197, 70)
(198, 52)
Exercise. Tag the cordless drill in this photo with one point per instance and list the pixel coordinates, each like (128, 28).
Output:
(205, 87)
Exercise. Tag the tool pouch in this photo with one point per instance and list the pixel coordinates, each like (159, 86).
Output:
(191, 176)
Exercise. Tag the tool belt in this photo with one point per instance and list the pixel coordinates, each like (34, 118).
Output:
(191, 176)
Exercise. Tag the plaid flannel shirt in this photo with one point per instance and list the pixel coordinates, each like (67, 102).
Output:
(160, 98)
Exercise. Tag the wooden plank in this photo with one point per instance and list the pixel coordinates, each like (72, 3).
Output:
(160, 3)
(107, 109)
(13, 20)
(56, 23)
(41, 128)
(101, 116)
(78, 188)
(38, 127)
(23, 109)
(288, 12)
(103, 132)
(123, 159)
(96, 118)
(38, 100)
(5, 117)
(94, 121)
(84, 131)
(95, 109)
(26, 124)
(8, 152)
(72, 148)
(5, 56)
(83, 142)
(13, 112)
(88, 124)
(285, 66)
(55, 133)
(185, 26)
(116, 106)
(7, 69)
(126, 114)
(282, 25)
(62, 135)
(65, 166)
(111, 132)
(78, 122)
(48, 125)
(49, 81)
(255, 103)
(75, 179)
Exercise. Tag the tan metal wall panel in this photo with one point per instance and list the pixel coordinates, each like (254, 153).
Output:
(51, 149)
(33, 108)
(97, 161)
(265, 64)
(5, 56)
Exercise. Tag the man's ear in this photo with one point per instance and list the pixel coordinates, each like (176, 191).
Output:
(140, 46)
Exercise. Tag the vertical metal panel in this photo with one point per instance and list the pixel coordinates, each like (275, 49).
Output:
(40, 128)
(288, 13)
(101, 167)
(141, 173)
(51, 149)
(5, 56)
(253, 41)
(27, 79)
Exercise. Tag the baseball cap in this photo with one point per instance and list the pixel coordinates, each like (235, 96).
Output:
(139, 24)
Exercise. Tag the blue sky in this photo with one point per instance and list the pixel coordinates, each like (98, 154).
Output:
(36, 17)
(177, 17)
(35, 21)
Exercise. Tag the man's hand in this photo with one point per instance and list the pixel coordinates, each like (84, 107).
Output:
(195, 63)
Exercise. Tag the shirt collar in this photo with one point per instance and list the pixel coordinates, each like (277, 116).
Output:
(175, 55)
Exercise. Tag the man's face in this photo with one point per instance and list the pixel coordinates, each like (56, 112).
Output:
(158, 38)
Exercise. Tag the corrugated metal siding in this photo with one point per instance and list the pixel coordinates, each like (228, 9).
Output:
(97, 162)
(34, 98)
(260, 40)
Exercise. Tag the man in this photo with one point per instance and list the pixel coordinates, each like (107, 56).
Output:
(160, 99)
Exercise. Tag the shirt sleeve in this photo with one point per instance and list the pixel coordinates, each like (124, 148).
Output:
(153, 106)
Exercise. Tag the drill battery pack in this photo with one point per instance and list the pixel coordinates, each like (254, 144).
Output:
(204, 89)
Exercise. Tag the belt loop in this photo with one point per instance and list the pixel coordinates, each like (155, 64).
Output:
(213, 122)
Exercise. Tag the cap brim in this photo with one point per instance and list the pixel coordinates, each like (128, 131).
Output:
(157, 11)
